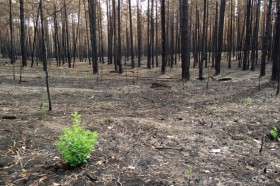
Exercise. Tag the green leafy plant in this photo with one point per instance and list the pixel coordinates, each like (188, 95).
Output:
(76, 143)
(273, 133)
(247, 102)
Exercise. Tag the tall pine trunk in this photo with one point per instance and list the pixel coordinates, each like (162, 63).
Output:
(276, 54)
(119, 59)
(185, 40)
(163, 39)
(131, 36)
(44, 53)
(255, 48)
(248, 36)
(92, 20)
(220, 37)
(22, 34)
(139, 35)
(266, 39)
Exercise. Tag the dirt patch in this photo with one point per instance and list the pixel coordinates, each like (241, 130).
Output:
(154, 129)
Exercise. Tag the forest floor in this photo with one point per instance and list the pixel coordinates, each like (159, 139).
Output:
(154, 129)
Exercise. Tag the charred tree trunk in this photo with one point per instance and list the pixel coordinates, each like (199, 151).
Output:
(230, 34)
(255, 47)
(157, 35)
(67, 36)
(152, 35)
(163, 42)
(220, 37)
(22, 34)
(266, 39)
(148, 38)
(131, 36)
(44, 54)
(185, 40)
(248, 36)
(276, 54)
(139, 35)
(12, 55)
(109, 32)
(203, 43)
(119, 59)
(115, 36)
(92, 20)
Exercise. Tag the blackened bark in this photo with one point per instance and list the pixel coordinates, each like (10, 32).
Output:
(12, 55)
(148, 38)
(163, 42)
(119, 59)
(185, 40)
(276, 54)
(266, 39)
(115, 36)
(255, 44)
(157, 34)
(248, 36)
(220, 37)
(44, 54)
(67, 36)
(92, 20)
(215, 38)
(203, 43)
(230, 34)
(131, 36)
(22, 34)
(152, 35)
(139, 35)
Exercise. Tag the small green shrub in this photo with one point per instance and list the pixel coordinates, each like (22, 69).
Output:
(75, 144)
(247, 102)
(273, 133)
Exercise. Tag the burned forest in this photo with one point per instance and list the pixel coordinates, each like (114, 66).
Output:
(139, 92)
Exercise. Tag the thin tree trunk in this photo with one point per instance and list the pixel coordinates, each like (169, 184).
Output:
(22, 35)
(92, 19)
(185, 40)
(255, 48)
(77, 33)
(131, 36)
(248, 36)
(44, 55)
(119, 59)
(215, 38)
(152, 35)
(148, 38)
(139, 34)
(266, 39)
(231, 34)
(67, 36)
(203, 43)
(115, 36)
(12, 55)
(163, 42)
(157, 34)
(276, 54)
(220, 37)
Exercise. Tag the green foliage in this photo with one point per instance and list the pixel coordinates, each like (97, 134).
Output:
(273, 133)
(190, 171)
(75, 144)
(247, 102)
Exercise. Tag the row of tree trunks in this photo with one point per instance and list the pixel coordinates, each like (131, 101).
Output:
(241, 35)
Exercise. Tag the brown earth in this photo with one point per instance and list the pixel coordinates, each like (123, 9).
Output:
(154, 129)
